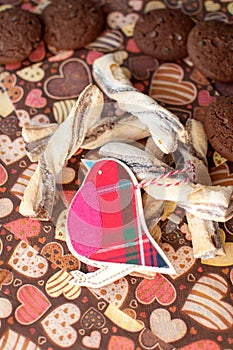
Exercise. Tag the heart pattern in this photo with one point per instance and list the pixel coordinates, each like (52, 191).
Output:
(114, 293)
(221, 175)
(92, 318)
(182, 259)
(204, 303)
(93, 340)
(74, 76)
(108, 41)
(24, 228)
(25, 120)
(5, 308)
(204, 98)
(55, 253)
(59, 284)
(6, 207)
(33, 304)
(158, 288)
(123, 343)
(3, 175)
(14, 91)
(34, 99)
(11, 151)
(168, 86)
(165, 328)
(202, 344)
(27, 262)
(22, 181)
(9, 125)
(141, 66)
(58, 324)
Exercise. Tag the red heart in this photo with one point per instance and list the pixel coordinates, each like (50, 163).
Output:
(202, 344)
(33, 304)
(3, 175)
(159, 288)
(35, 99)
(38, 54)
(204, 98)
(24, 228)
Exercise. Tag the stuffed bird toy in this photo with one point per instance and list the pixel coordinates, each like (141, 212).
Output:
(106, 227)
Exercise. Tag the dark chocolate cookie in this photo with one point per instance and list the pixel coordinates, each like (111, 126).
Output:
(219, 126)
(210, 47)
(163, 34)
(71, 24)
(20, 34)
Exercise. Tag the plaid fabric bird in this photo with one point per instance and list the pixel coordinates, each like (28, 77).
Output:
(105, 222)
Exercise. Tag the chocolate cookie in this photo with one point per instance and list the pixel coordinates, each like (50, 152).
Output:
(219, 126)
(20, 34)
(210, 47)
(163, 34)
(71, 24)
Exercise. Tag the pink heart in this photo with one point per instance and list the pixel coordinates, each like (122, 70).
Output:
(24, 228)
(159, 288)
(33, 304)
(35, 99)
(204, 98)
(132, 47)
(3, 175)
(204, 344)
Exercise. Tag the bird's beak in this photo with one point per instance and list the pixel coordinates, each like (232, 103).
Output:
(88, 163)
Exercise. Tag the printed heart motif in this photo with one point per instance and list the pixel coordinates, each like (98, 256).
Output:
(93, 340)
(24, 228)
(62, 109)
(6, 277)
(6, 207)
(60, 231)
(168, 86)
(33, 304)
(5, 308)
(221, 175)
(149, 340)
(59, 284)
(118, 342)
(9, 125)
(92, 318)
(11, 151)
(165, 328)
(108, 41)
(33, 73)
(204, 303)
(27, 262)
(132, 47)
(58, 324)
(74, 75)
(182, 259)
(141, 66)
(39, 53)
(225, 260)
(55, 253)
(212, 6)
(60, 55)
(34, 99)
(158, 288)
(25, 120)
(204, 344)
(6, 105)
(14, 91)
(204, 98)
(117, 20)
(114, 293)
(198, 77)
(22, 181)
(3, 175)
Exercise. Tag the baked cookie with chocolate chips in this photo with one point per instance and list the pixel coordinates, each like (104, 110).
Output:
(163, 34)
(210, 47)
(219, 126)
(71, 24)
(20, 34)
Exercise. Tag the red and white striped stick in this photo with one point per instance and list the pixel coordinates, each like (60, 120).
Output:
(154, 181)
